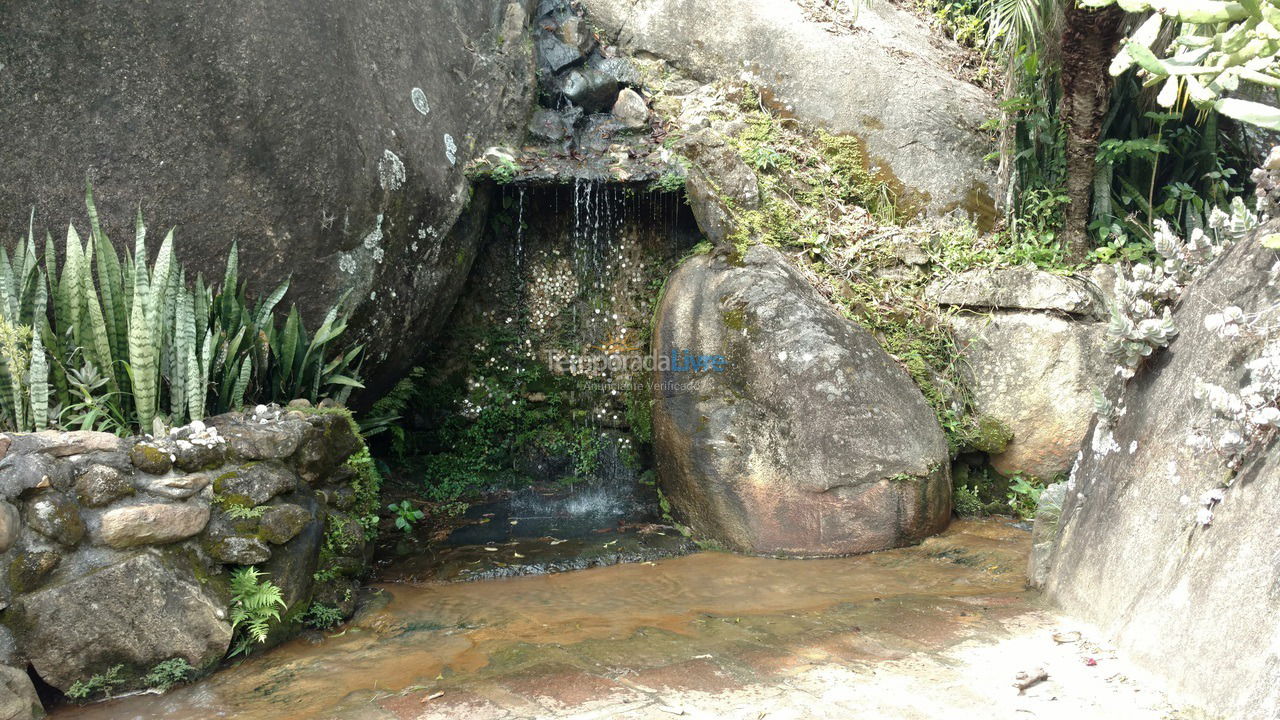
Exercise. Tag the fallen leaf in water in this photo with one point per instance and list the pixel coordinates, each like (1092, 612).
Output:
(518, 555)
(611, 542)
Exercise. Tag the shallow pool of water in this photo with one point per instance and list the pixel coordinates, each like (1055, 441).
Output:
(414, 640)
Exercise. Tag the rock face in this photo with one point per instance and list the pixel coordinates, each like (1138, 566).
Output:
(1031, 344)
(808, 439)
(332, 136)
(888, 83)
(139, 612)
(124, 567)
(719, 183)
(18, 700)
(1178, 595)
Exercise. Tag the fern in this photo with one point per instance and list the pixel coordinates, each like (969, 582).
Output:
(255, 603)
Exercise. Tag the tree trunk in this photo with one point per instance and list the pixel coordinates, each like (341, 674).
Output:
(1090, 39)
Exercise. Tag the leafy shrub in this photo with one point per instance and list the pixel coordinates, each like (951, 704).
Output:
(102, 684)
(168, 673)
(322, 617)
(405, 515)
(255, 603)
(112, 344)
(1023, 497)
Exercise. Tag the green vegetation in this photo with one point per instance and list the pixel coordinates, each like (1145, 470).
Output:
(112, 344)
(670, 181)
(1218, 46)
(241, 512)
(1023, 496)
(504, 171)
(101, 684)
(322, 617)
(168, 673)
(255, 603)
(405, 515)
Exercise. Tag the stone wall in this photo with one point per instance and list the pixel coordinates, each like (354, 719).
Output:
(117, 551)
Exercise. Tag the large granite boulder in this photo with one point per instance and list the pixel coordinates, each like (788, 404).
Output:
(136, 613)
(1165, 548)
(329, 139)
(1031, 344)
(888, 82)
(801, 436)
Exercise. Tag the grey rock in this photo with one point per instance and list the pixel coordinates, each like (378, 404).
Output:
(10, 524)
(256, 483)
(136, 612)
(1036, 373)
(548, 125)
(59, 443)
(238, 550)
(326, 444)
(575, 33)
(18, 699)
(29, 570)
(10, 654)
(281, 523)
(590, 89)
(1018, 289)
(630, 110)
(620, 69)
(1174, 595)
(100, 485)
(194, 457)
(889, 84)
(174, 486)
(293, 565)
(56, 517)
(288, 113)
(811, 440)
(21, 473)
(251, 440)
(151, 458)
(555, 55)
(152, 523)
(718, 185)
(512, 29)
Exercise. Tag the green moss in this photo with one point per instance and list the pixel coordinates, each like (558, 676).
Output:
(734, 319)
(990, 435)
